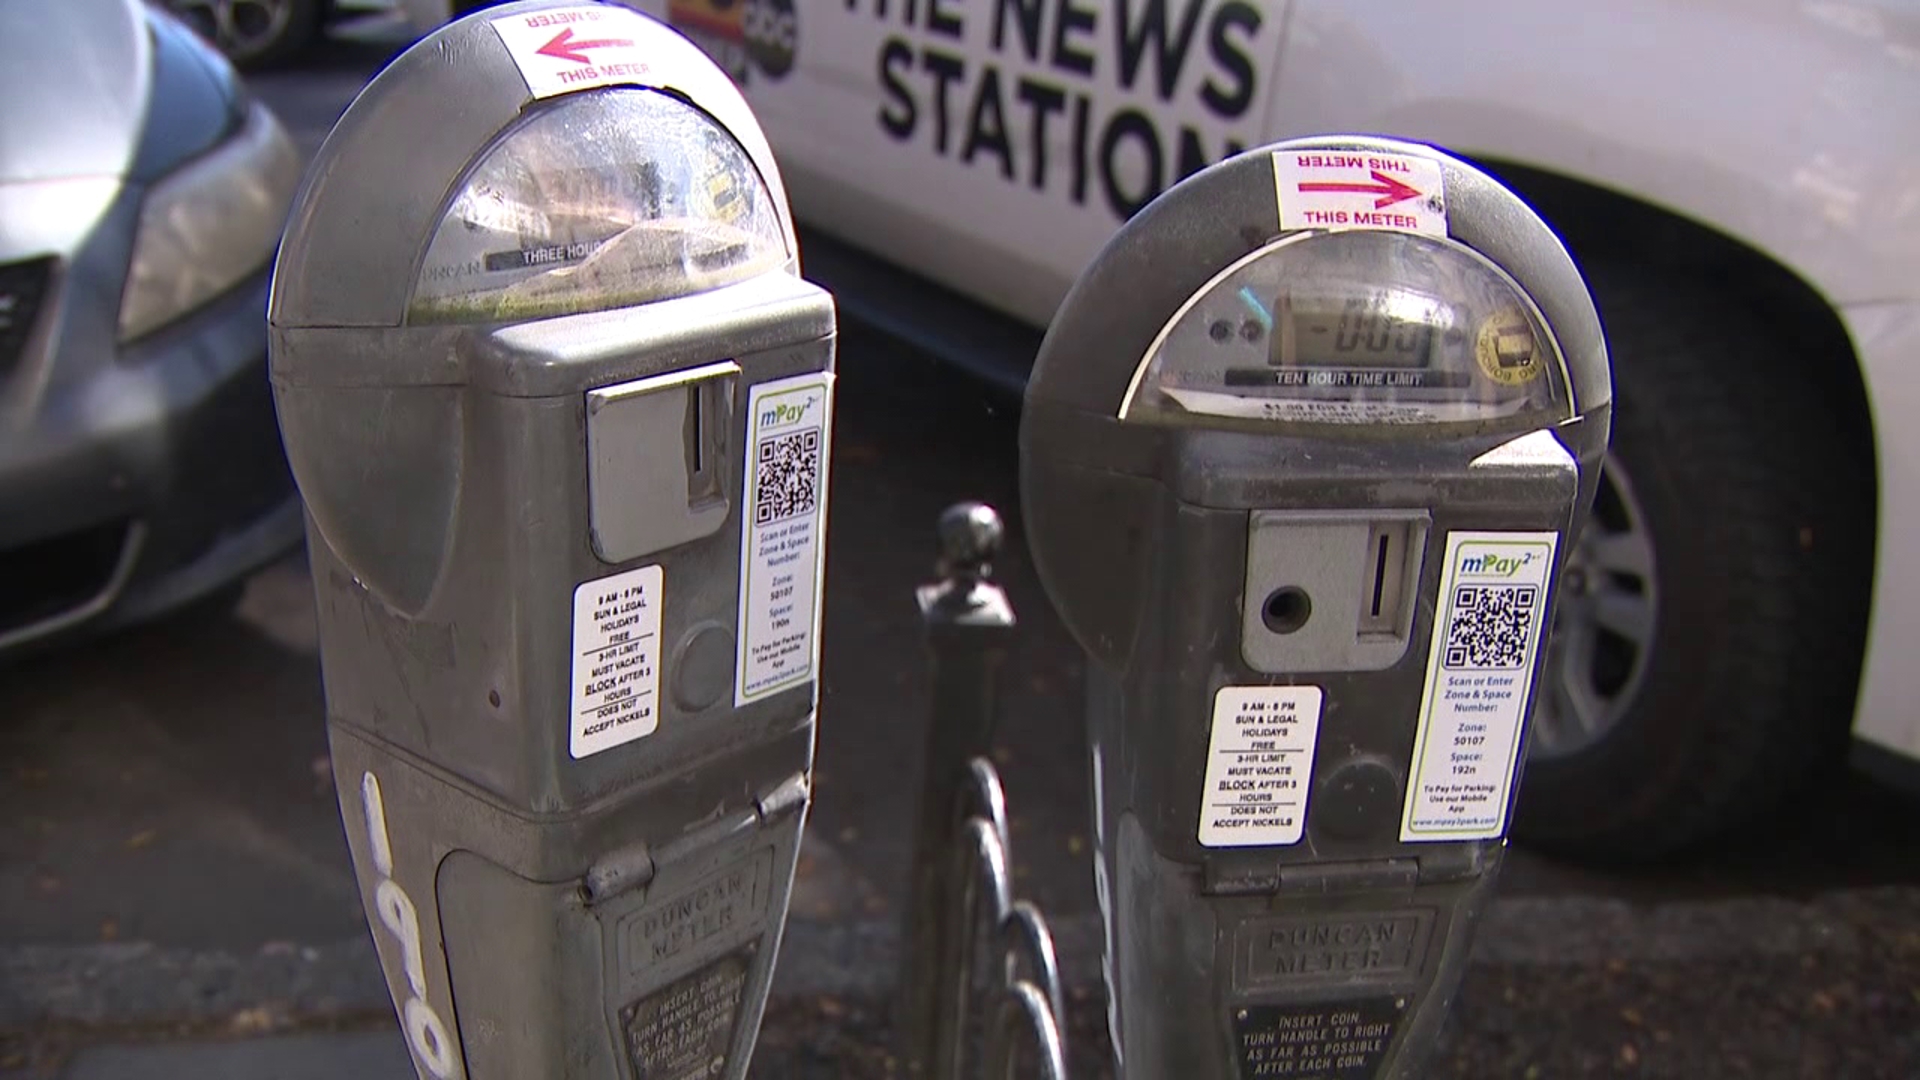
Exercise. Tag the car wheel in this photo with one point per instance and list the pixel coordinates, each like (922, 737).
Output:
(1706, 645)
(254, 34)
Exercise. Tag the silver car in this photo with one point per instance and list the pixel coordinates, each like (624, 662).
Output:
(142, 194)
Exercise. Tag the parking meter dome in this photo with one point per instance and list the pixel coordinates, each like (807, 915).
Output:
(604, 200)
(457, 104)
(469, 187)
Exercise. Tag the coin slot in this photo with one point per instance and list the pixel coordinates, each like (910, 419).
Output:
(1386, 594)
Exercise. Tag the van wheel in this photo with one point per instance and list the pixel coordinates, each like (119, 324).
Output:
(1707, 638)
(254, 34)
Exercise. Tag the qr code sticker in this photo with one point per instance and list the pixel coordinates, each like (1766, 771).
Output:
(1490, 626)
(787, 476)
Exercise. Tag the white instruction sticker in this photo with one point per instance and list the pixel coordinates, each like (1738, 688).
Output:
(616, 660)
(1259, 759)
(1493, 596)
(1346, 189)
(571, 48)
(782, 534)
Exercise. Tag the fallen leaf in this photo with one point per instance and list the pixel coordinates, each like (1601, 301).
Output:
(1822, 1001)
(109, 930)
(1002, 755)
(1076, 844)
(1629, 1055)
(849, 834)
(140, 839)
(1632, 1016)
(831, 1007)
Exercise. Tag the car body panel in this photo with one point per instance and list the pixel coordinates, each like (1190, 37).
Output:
(167, 442)
(1812, 168)
(93, 58)
(205, 97)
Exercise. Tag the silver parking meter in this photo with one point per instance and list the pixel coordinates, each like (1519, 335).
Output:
(559, 406)
(1302, 453)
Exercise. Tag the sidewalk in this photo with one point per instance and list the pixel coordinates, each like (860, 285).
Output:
(360, 1055)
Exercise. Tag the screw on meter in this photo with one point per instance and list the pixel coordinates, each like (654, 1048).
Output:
(1301, 492)
(560, 408)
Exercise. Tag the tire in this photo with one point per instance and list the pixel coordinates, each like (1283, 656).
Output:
(1730, 458)
(255, 35)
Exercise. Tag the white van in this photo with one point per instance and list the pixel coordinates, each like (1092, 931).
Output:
(1740, 179)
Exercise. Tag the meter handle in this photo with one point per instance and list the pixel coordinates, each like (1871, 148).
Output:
(969, 625)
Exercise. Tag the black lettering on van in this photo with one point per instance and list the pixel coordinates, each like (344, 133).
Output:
(1231, 101)
(987, 124)
(1077, 189)
(946, 69)
(1070, 19)
(1134, 37)
(895, 56)
(1043, 101)
(943, 22)
(1134, 123)
(1029, 13)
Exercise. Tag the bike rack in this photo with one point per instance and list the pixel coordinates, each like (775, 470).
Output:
(977, 1004)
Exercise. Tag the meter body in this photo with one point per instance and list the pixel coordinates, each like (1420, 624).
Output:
(1302, 454)
(559, 406)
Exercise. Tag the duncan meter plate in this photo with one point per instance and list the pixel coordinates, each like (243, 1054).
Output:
(559, 406)
(1301, 492)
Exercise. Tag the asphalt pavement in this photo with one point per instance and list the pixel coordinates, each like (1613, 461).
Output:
(176, 899)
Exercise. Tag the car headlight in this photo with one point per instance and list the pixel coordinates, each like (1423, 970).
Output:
(209, 224)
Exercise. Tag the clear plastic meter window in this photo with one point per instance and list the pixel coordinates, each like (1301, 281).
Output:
(600, 200)
(1354, 328)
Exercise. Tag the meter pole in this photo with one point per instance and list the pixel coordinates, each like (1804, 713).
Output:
(968, 625)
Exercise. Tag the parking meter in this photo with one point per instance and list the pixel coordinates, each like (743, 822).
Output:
(1302, 452)
(559, 406)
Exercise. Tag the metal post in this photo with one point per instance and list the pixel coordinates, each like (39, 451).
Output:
(968, 625)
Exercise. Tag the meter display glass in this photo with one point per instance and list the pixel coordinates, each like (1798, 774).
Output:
(1354, 328)
(597, 201)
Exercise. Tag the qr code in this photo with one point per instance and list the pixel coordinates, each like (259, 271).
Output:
(1490, 625)
(787, 476)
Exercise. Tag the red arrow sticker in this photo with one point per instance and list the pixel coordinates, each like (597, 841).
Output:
(1340, 189)
(572, 48)
(564, 47)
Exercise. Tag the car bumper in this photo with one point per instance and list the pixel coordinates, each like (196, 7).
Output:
(146, 482)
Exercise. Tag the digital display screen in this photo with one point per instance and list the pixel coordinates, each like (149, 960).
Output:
(1360, 336)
